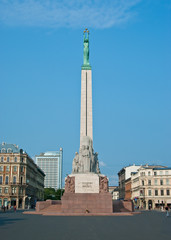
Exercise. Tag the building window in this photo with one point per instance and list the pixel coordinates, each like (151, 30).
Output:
(15, 168)
(155, 173)
(1, 179)
(7, 168)
(149, 192)
(8, 159)
(22, 169)
(168, 192)
(14, 190)
(14, 180)
(161, 172)
(141, 192)
(149, 182)
(155, 182)
(22, 159)
(142, 173)
(162, 192)
(1, 168)
(167, 172)
(156, 192)
(21, 180)
(167, 181)
(6, 190)
(21, 191)
(2, 159)
(161, 181)
(6, 180)
(15, 159)
(143, 182)
(0, 190)
(149, 173)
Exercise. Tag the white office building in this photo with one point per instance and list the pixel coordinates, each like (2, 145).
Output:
(51, 164)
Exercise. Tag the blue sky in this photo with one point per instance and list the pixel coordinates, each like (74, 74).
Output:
(41, 53)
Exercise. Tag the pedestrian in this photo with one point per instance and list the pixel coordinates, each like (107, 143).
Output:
(2, 208)
(167, 211)
(15, 208)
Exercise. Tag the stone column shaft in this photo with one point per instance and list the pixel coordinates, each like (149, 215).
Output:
(86, 121)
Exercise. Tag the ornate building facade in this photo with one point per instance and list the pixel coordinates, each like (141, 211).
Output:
(21, 180)
(151, 187)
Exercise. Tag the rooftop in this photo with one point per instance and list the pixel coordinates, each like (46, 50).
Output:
(9, 148)
(50, 153)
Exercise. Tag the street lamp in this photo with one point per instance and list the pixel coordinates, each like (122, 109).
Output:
(29, 202)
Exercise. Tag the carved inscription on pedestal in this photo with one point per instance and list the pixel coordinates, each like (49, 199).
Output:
(86, 183)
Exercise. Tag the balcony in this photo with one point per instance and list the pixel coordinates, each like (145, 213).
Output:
(13, 194)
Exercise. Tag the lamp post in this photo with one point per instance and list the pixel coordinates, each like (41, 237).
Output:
(29, 202)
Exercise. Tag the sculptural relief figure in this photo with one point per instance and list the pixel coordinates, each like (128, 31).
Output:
(70, 184)
(103, 184)
(75, 164)
(86, 160)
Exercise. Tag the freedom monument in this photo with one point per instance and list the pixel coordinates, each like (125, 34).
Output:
(86, 189)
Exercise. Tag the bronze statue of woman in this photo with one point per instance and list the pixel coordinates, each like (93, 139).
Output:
(86, 47)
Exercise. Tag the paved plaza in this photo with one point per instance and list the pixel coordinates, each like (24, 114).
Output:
(148, 225)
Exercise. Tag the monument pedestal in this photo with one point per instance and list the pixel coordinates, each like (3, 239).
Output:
(86, 193)
(87, 203)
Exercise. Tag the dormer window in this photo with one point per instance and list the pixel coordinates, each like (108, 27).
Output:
(3, 150)
(9, 150)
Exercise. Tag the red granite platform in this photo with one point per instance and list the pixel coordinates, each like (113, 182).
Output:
(83, 204)
(89, 202)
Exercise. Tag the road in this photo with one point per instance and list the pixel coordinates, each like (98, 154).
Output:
(145, 226)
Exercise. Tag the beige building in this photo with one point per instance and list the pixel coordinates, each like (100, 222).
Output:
(123, 175)
(21, 180)
(114, 190)
(151, 187)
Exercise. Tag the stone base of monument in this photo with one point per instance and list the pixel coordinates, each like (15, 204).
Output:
(87, 203)
(85, 194)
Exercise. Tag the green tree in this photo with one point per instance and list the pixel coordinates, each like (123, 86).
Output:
(51, 193)
(59, 193)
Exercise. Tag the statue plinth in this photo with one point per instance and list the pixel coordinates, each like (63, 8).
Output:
(86, 192)
(86, 183)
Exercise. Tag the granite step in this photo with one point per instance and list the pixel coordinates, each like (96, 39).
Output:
(52, 208)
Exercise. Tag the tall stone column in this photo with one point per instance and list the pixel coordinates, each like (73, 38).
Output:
(86, 160)
(86, 121)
